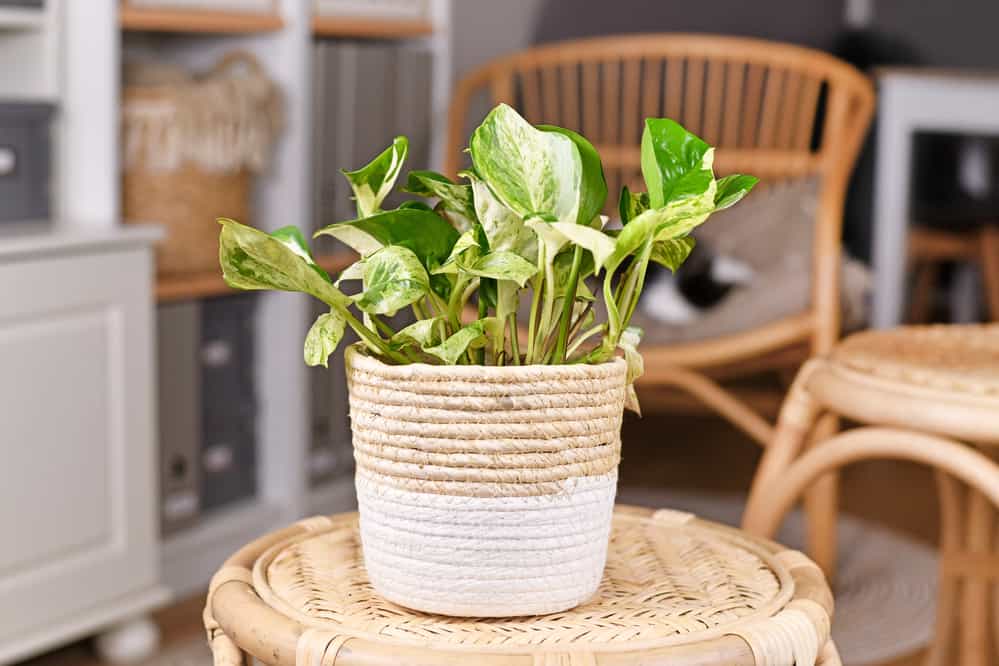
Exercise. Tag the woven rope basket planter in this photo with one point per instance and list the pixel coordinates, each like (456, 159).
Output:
(485, 491)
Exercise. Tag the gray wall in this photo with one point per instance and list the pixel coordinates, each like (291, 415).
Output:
(945, 33)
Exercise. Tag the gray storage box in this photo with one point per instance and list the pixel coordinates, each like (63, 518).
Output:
(31, 4)
(228, 416)
(178, 332)
(25, 161)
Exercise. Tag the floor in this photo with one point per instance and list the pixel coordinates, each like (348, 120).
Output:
(681, 452)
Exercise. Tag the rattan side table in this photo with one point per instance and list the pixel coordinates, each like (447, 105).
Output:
(676, 590)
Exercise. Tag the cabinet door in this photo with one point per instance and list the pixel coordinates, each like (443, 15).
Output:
(77, 475)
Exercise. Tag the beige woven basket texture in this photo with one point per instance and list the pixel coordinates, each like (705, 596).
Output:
(485, 491)
(191, 148)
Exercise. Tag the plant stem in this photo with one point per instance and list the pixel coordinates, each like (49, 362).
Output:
(568, 300)
(639, 283)
(532, 324)
(483, 313)
(385, 329)
(514, 339)
(369, 336)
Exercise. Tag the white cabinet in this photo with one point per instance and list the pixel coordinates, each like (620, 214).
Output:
(78, 530)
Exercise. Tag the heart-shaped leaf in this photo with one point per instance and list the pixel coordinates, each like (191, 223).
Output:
(251, 259)
(373, 182)
(421, 231)
(731, 189)
(673, 252)
(631, 205)
(471, 336)
(501, 265)
(422, 333)
(323, 338)
(393, 279)
(675, 163)
(531, 171)
(593, 185)
(455, 197)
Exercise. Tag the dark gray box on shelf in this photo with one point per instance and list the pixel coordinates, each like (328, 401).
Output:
(228, 405)
(178, 332)
(32, 4)
(25, 161)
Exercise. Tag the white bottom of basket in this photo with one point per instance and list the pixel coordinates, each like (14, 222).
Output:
(486, 556)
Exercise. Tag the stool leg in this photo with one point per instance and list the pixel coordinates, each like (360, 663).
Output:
(921, 304)
(951, 537)
(822, 506)
(975, 640)
(990, 268)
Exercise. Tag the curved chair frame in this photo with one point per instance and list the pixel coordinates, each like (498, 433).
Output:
(757, 101)
(969, 566)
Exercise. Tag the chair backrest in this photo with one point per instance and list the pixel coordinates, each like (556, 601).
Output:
(757, 101)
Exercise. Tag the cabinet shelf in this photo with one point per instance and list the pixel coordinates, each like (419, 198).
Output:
(172, 20)
(370, 28)
(205, 285)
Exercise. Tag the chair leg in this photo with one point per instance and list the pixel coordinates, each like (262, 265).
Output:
(921, 303)
(795, 422)
(950, 496)
(975, 640)
(822, 506)
(990, 268)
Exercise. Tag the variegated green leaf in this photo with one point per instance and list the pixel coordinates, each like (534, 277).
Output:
(470, 336)
(422, 231)
(531, 171)
(353, 272)
(373, 182)
(323, 338)
(501, 265)
(503, 228)
(628, 343)
(676, 164)
(600, 245)
(466, 245)
(251, 259)
(731, 189)
(393, 279)
(592, 186)
(673, 252)
(455, 197)
(632, 204)
(422, 333)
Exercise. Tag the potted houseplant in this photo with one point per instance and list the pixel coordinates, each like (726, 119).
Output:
(487, 442)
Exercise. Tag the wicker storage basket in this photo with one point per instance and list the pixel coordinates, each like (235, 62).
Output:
(485, 491)
(191, 148)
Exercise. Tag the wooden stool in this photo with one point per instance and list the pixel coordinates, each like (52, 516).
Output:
(929, 248)
(919, 391)
(676, 590)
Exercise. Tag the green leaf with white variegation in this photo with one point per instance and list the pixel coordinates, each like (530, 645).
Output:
(562, 267)
(353, 272)
(293, 238)
(501, 265)
(502, 227)
(628, 343)
(676, 164)
(731, 189)
(323, 338)
(531, 171)
(373, 182)
(593, 185)
(421, 333)
(632, 204)
(600, 245)
(455, 197)
(673, 252)
(470, 336)
(251, 259)
(465, 247)
(393, 279)
(422, 231)
(671, 221)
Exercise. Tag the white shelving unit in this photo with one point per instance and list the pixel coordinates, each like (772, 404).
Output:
(283, 197)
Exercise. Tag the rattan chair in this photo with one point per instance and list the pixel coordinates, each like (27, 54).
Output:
(761, 104)
(919, 391)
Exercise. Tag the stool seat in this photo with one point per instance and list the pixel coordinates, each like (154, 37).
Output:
(939, 379)
(675, 589)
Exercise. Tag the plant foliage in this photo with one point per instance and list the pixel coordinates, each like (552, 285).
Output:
(521, 233)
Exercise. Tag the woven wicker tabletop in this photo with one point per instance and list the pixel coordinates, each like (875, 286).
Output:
(674, 586)
(953, 359)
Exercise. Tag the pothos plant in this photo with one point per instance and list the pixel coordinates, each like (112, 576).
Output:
(522, 232)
